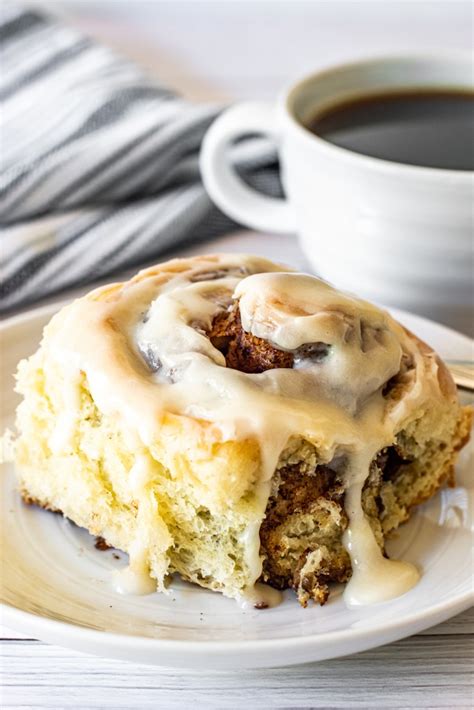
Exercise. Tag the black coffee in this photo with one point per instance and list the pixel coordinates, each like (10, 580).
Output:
(430, 128)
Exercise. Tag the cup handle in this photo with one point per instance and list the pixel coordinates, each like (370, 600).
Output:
(226, 188)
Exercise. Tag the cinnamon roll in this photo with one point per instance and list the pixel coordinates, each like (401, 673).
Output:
(243, 425)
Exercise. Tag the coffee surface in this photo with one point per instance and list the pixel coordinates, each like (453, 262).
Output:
(427, 128)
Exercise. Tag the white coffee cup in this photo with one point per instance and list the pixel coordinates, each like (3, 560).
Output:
(395, 233)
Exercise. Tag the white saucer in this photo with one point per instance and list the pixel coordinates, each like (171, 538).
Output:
(56, 585)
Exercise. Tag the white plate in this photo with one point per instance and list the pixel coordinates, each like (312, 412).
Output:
(56, 585)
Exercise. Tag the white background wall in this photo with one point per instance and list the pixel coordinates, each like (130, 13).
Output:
(226, 49)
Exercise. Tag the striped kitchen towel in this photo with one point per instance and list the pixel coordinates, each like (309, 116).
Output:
(99, 162)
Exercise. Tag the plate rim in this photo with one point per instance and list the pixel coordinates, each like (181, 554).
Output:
(358, 639)
(456, 605)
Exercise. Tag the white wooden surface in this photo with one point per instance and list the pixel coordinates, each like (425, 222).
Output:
(224, 50)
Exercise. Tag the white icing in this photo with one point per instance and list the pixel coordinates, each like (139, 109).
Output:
(374, 578)
(135, 578)
(251, 537)
(291, 310)
(140, 475)
(131, 581)
(334, 401)
(62, 437)
(259, 596)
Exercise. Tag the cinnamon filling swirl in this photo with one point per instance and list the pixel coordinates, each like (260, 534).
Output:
(243, 351)
(248, 353)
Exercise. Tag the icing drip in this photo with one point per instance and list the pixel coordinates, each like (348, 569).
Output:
(374, 578)
(63, 434)
(260, 596)
(145, 354)
(135, 578)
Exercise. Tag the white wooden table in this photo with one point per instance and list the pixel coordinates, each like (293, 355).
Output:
(216, 50)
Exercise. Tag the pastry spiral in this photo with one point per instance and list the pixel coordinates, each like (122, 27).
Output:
(236, 422)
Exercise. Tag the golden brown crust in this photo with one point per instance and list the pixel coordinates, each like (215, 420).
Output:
(448, 475)
(446, 383)
(30, 500)
(101, 544)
